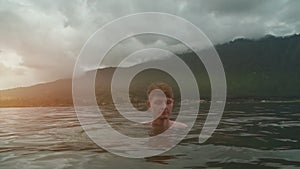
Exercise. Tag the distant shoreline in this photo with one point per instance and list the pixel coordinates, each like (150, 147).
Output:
(204, 101)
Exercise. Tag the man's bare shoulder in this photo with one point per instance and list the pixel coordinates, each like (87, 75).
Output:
(178, 124)
(147, 122)
(175, 123)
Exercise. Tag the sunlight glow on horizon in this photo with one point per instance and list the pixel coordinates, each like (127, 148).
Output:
(10, 60)
(12, 73)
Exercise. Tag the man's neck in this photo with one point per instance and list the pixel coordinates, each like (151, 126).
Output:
(164, 123)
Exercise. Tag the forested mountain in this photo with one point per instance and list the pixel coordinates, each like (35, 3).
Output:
(266, 68)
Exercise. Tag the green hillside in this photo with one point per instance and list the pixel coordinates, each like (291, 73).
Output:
(266, 68)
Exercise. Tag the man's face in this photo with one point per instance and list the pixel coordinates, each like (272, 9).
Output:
(161, 106)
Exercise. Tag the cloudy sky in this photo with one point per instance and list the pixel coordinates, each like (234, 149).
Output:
(40, 40)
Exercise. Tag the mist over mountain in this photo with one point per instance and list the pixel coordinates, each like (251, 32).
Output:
(266, 68)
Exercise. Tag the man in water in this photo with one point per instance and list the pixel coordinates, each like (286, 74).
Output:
(160, 102)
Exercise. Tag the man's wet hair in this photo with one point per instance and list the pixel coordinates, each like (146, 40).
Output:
(166, 88)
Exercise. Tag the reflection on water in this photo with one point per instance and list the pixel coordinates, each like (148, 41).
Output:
(250, 135)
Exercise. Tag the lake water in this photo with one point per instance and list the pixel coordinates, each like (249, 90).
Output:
(250, 135)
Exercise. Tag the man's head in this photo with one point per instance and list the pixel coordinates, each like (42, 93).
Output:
(160, 100)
